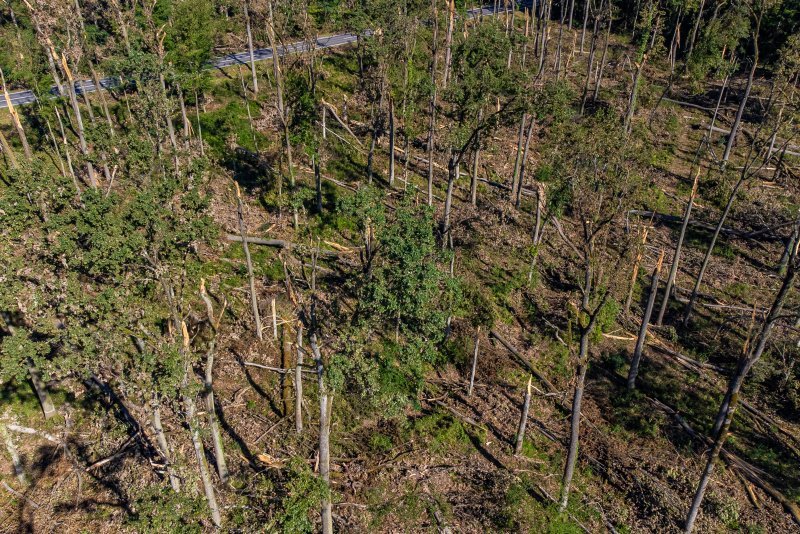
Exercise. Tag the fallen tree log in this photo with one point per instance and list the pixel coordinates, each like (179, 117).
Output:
(762, 233)
(279, 243)
(523, 362)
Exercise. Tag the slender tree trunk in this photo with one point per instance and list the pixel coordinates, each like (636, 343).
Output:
(452, 175)
(634, 92)
(695, 28)
(599, 80)
(250, 276)
(448, 43)
(391, 142)
(523, 420)
(213, 423)
(523, 164)
(324, 433)
(728, 408)
(586, 8)
(15, 119)
(635, 274)
(699, 280)
(250, 47)
(474, 362)
(298, 381)
(651, 299)
(743, 104)
(520, 141)
(432, 112)
(592, 48)
(199, 451)
(673, 270)
(161, 440)
(575, 420)
(473, 186)
(40, 388)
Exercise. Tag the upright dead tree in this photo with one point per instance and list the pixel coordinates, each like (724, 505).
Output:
(282, 111)
(432, 105)
(448, 42)
(648, 311)
(731, 400)
(650, 25)
(15, 118)
(248, 259)
(757, 12)
(676, 256)
(523, 420)
(208, 385)
(250, 46)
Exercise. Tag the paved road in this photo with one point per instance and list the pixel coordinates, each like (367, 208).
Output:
(19, 98)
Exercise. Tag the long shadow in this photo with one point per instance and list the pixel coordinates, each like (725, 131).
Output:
(250, 380)
(234, 435)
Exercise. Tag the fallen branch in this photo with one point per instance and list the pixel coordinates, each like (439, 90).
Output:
(522, 361)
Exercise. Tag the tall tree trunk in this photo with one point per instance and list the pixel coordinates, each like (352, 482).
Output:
(699, 280)
(391, 142)
(448, 43)
(651, 299)
(325, 399)
(524, 162)
(432, 108)
(250, 47)
(200, 454)
(586, 8)
(474, 361)
(599, 80)
(695, 28)
(520, 141)
(452, 176)
(743, 104)
(211, 410)
(15, 119)
(592, 48)
(298, 380)
(728, 408)
(673, 270)
(473, 186)
(250, 276)
(282, 111)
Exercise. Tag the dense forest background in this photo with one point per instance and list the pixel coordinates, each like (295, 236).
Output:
(521, 267)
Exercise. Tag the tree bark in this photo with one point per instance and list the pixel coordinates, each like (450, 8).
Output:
(298, 381)
(673, 270)
(520, 140)
(250, 47)
(523, 420)
(161, 440)
(523, 163)
(474, 362)
(743, 104)
(637, 353)
(432, 109)
(728, 408)
(250, 276)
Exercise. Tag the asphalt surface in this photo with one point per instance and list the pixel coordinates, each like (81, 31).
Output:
(20, 98)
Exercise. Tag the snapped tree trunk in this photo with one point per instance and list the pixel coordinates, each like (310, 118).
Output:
(651, 299)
